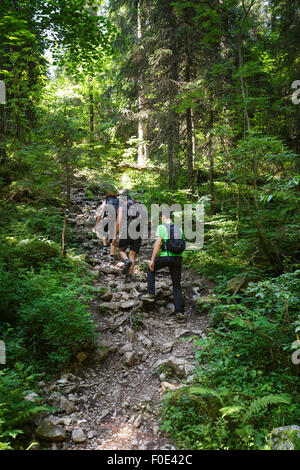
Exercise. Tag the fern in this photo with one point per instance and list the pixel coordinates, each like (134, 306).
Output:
(245, 432)
(231, 410)
(263, 402)
(204, 391)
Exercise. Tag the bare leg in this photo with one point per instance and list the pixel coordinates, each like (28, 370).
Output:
(122, 255)
(132, 255)
(112, 250)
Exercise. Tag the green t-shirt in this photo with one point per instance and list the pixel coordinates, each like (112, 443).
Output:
(162, 232)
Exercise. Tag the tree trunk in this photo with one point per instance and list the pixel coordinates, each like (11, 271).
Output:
(142, 123)
(242, 83)
(68, 201)
(211, 160)
(91, 111)
(190, 146)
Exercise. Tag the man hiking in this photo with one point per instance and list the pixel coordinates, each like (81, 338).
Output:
(106, 215)
(125, 240)
(167, 252)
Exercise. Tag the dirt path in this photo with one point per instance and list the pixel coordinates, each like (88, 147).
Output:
(112, 401)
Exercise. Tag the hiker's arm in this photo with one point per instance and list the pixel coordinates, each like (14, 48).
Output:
(155, 252)
(100, 214)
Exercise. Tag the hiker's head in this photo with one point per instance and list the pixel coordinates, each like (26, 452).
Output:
(114, 195)
(165, 216)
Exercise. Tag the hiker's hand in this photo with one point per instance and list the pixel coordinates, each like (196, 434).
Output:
(114, 241)
(151, 266)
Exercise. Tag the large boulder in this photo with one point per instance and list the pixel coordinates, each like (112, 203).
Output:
(50, 432)
(284, 437)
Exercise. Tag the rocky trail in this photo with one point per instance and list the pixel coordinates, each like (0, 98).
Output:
(112, 400)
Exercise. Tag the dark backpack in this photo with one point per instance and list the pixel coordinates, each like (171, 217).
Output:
(112, 202)
(134, 214)
(175, 244)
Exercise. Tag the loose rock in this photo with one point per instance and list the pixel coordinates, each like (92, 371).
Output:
(50, 432)
(78, 436)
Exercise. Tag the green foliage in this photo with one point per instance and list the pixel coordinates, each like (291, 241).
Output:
(15, 411)
(246, 383)
(49, 321)
(30, 253)
(137, 321)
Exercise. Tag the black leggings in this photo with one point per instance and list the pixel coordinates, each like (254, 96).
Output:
(174, 263)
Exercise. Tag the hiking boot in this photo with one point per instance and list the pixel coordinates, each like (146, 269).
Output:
(181, 317)
(127, 265)
(148, 297)
(128, 278)
(105, 250)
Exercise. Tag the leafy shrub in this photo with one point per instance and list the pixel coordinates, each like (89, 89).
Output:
(51, 320)
(15, 411)
(203, 418)
(245, 364)
(32, 253)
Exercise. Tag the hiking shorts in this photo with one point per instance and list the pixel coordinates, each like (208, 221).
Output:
(133, 245)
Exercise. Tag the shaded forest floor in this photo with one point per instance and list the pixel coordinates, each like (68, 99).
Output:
(112, 399)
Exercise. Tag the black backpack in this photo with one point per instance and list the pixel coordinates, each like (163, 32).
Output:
(175, 244)
(112, 201)
(131, 215)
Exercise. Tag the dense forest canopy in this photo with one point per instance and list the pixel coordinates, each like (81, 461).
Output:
(180, 101)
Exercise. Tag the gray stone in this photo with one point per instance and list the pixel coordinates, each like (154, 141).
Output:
(129, 358)
(66, 405)
(130, 335)
(107, 296)
(78, 436)
(128, 304)
(126, 348)
(112, 305)
(145, 341)
(72, 397)
(138, 421)
(168, 347)
(185, 333)
(283, 438)
(50, 432)
(33, 397)
(52, 420)
(134, 293)
(101, 353)
(104, 414)
(178, 365)
(70, 388)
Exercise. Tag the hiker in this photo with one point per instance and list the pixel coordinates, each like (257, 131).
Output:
(126, 242)
(167, 252)
(110, 198)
